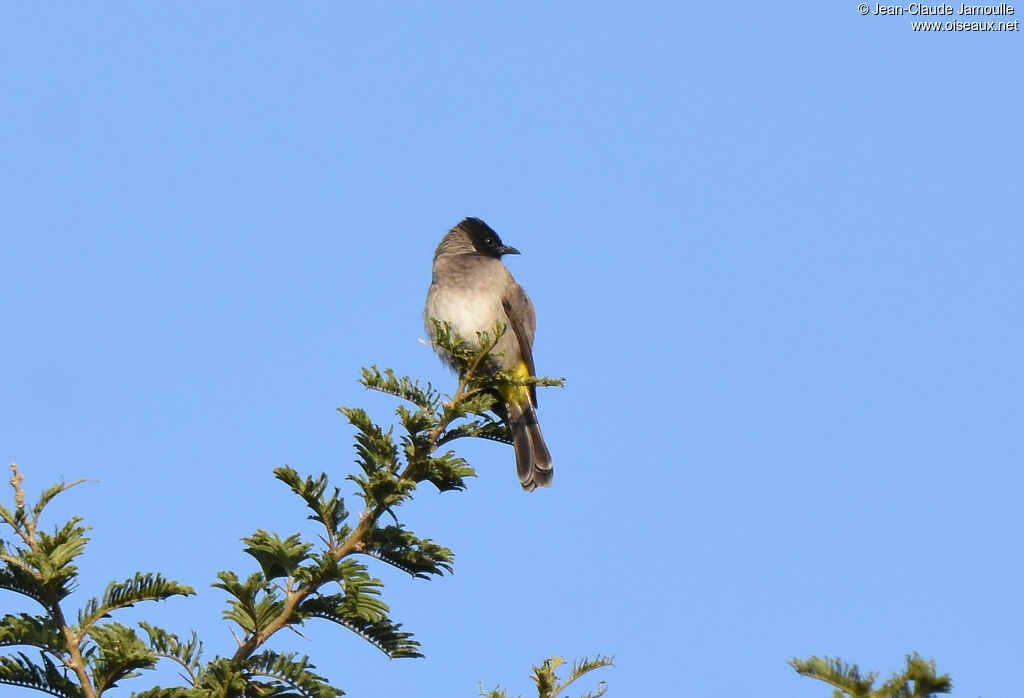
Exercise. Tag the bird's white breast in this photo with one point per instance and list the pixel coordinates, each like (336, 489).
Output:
(466, 293)
(467, 310)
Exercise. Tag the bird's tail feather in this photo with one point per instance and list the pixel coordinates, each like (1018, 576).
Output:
(533, 460)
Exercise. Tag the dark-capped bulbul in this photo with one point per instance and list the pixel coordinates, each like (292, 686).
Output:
(472, 290)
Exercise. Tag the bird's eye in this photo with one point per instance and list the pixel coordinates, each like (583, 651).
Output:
(489, 242)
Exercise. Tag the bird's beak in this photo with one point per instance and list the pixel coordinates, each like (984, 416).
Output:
(505, 249)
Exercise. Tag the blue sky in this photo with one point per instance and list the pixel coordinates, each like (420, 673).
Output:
(775, 250)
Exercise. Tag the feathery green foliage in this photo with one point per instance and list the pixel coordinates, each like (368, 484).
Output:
(918, 680)
(28, 630)
(142, 587)
(550, 685)
(419, 557)
(285, 674)
(329, 511)
(42, 675)
(277, 557)
(300, 578)
(165, 645)
(256, 602)
(83, 659)
(367, 618)
(116, 652)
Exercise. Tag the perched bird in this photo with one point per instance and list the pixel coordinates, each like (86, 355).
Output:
(472, 291)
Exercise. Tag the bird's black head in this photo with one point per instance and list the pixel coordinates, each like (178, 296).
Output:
(484, 239)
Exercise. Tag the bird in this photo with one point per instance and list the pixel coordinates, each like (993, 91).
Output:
(472, 290)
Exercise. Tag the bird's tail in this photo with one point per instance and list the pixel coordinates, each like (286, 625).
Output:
(533, 460)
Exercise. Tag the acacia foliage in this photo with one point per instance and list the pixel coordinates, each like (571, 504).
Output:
(297, 578)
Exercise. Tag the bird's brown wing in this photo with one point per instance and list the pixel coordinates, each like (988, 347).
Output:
(523, 321)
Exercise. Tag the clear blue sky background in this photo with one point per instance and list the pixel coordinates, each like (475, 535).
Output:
(775, 249)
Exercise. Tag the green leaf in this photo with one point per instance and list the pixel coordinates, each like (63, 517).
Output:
(324, 569)
(383, 489)
(481, 403)
(256, 602)
(922, 673)
(545, 677)
(919, 680)
(14, 520)
(17, 579)
(497, 692)
(178, 692)
(547, 680)
(165, 644)
(25, 629)
(446, 472)
(48, 494)
(277, 557)
(361, 592)
(484, 428)
(329, 511)
(417, 441)
(375, 447)
(469, 358)
(43, 570)
(289, 673)
(397, 546)
(141, 587)
(584, 666)
(382, 633)
(361, 610)
(549, 685)
(844, 677)
(426, 399)
(377, 453)
(54, 558)
(221, 678)
(481, 382)
(120, 654)
(19, 670)
(479, 399)
(505, 379)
